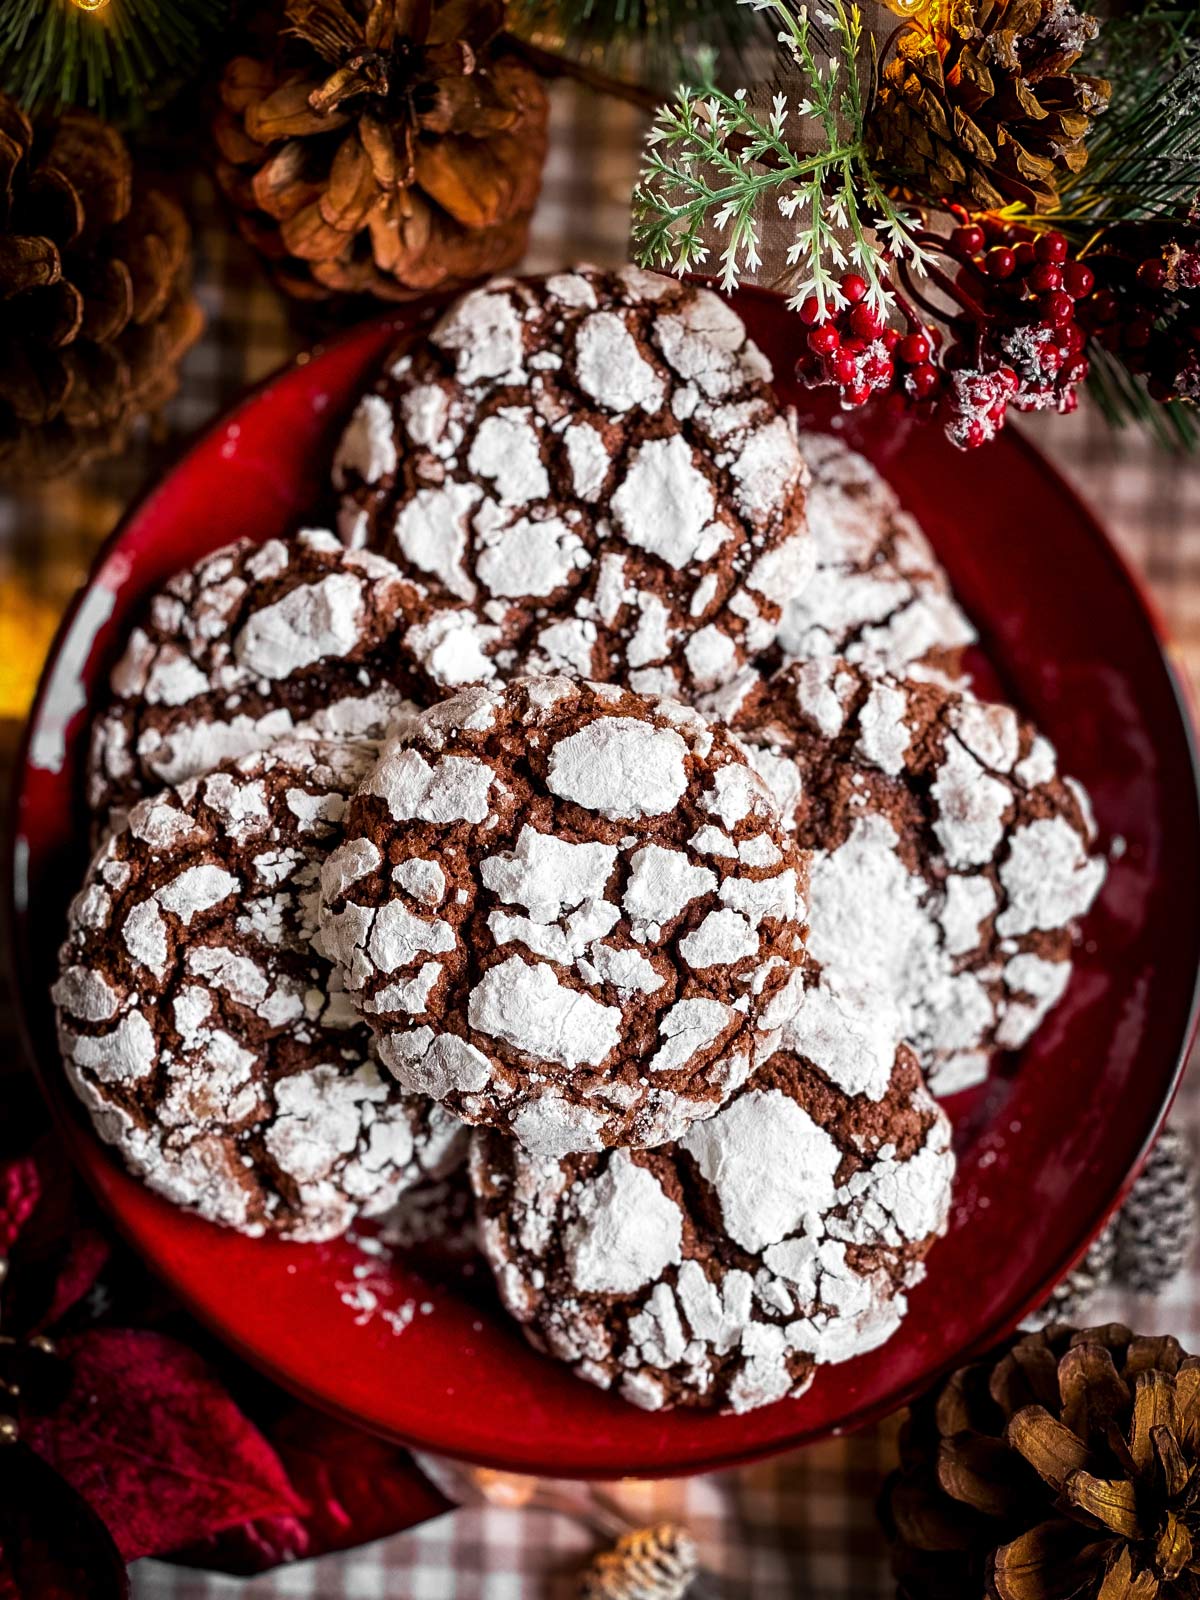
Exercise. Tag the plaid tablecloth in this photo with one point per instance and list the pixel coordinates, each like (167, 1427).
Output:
(799, 1526)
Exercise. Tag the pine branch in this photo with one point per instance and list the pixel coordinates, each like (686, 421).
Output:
(118, 61)
(651, 40)
(1144, 153)
(713, 163)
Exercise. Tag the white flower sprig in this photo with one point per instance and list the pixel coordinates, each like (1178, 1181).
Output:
(713, 163)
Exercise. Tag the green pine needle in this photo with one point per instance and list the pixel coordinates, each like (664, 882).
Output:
(713, 164)
(650, 40)
(118, 61)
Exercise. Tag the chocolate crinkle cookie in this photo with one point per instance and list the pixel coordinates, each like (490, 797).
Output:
(568, 910)
(722, 1269)
(597, 465)
(950, 861)
(879, 596)
(259, 642)
(205, 1030)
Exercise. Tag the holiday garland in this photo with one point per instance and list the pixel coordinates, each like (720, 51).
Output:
(1004, 204)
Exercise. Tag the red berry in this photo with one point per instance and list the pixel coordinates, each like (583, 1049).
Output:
(890, 338)
(842, 368)
(878, 371)
(967, 242)
(865, 323)
(1051, 247)
(1068, 400)
(1075, 371)
(1153, 273)
(1050, 359)
(1025, 254)
(857, 394)
(1078, 280)
(973, 435)
(1074, 338)
(1057, 306)
(999, 262)
(854, 287)
(1009, 378)
(824, 339)
(1102, 306)
(924, 380)
(810, 310)
(913, 349)
(1139, 333)
(1044, 277)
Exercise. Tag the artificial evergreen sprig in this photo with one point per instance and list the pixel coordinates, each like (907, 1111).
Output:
(118, 60)
(713, 163)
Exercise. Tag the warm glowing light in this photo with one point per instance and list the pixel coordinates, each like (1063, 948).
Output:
(90, 5)
(907, 8)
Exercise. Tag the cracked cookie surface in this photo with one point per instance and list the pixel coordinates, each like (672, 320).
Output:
(596, 464)
(722, 1269)
(202, 1025)
(568, 910)
(260, 642)
(950, 860)
(878, 596)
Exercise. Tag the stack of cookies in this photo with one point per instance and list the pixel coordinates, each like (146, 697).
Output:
(601, 815)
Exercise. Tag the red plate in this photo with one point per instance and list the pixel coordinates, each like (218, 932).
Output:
(1044, 1152)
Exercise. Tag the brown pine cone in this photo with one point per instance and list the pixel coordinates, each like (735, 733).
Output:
(384, 148)
(1065, 1466)
(95, 312)
(979, 104)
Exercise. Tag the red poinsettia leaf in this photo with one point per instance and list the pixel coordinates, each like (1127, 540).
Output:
(20, 1191)
(358, 1489)
(84, 1259)
(53, 1546)
(149, 1436)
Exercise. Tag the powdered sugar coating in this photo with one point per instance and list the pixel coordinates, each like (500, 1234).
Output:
(878, 596)
(201, 1022)
(257, 643)
(721, 1270)
(596, 463)
(951, 863)
(567, 910)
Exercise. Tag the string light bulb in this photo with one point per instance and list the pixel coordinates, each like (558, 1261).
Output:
(89, 5)
(907, 8)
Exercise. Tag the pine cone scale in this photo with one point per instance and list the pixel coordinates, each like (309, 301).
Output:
(92, 270)
(415, 138)
(993, 84)
(1093, 1490)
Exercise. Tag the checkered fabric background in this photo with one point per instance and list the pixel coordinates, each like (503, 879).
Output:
(799, 1526)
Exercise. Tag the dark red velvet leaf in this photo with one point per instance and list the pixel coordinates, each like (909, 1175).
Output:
(358, 1489)
(20, 1190)
(149, 1436)
(53, 1546)
(84, 1258)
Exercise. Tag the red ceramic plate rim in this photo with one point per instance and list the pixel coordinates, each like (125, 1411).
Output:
(81, 1139)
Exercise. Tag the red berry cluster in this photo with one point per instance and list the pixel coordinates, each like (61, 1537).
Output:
(1016, 334)
(1146, 307)
(1020, 293)
(857, 353)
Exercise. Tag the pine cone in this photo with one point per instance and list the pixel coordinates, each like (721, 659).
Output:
(1156, 1227)
(1064, 1465)
(1070, 1299)
(979, 105)
(95, 312)
(656, 1563)
(383, 150)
